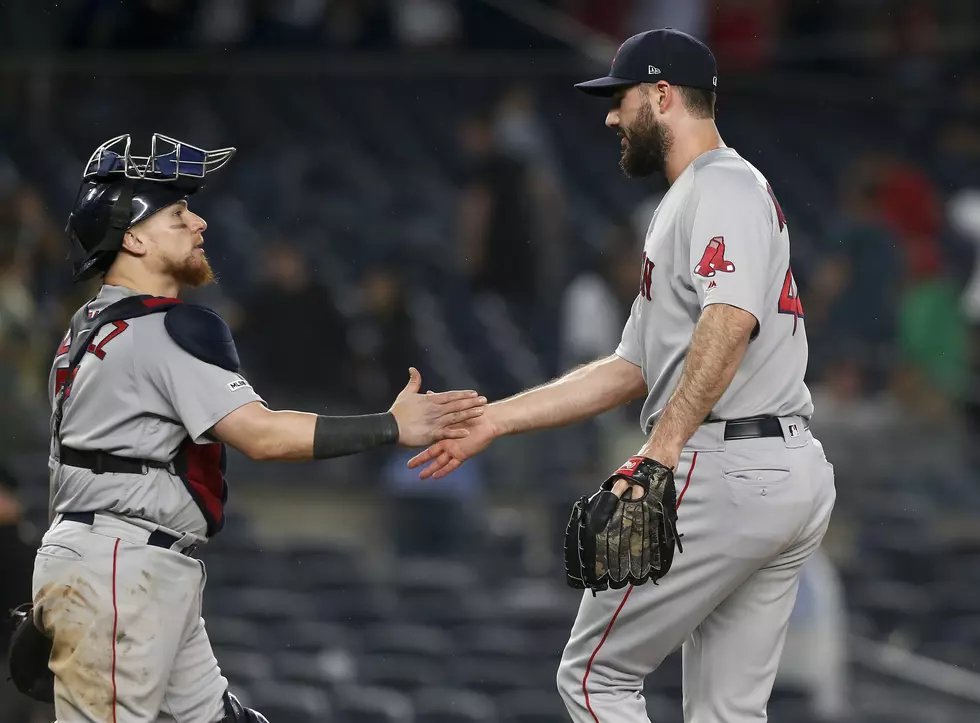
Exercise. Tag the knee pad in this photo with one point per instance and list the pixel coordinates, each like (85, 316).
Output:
(235, 712)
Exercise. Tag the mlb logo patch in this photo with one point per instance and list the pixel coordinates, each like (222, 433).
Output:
(237, 384)
(794, 431)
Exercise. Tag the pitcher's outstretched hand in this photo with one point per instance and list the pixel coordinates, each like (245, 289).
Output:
(427, 418)
(445, 456)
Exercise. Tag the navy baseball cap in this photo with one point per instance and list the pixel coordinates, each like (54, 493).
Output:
(655, 55)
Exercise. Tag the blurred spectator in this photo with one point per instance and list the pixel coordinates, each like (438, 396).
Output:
(933, 336)
(597, 302)
(840, 302)
(496, 227)
(510, 226)
(441, 518)
(382, 340)
(290, 24)
(358, 24)
(520, 131)
(909, 202)
(743, 33)
(689, 16)
(609, 17)
(292, 337)
(421, 24)
(815, 655)
(223, 22)
(964, 217)
(16, 571)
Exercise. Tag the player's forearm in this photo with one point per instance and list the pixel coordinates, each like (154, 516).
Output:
(717, 346)
(583, 393)
(268, 435)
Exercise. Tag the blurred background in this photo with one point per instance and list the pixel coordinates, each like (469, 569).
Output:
(417, 183)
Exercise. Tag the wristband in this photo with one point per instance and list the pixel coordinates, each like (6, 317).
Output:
(341, 436)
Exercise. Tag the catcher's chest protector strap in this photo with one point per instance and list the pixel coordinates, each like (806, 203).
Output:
(130, 307)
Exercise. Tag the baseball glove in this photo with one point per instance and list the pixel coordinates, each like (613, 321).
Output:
(30, 650)
(612, 542)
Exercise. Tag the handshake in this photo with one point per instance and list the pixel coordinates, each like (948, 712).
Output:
(452, 424)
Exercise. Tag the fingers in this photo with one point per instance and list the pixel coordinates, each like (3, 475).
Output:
(453, 433)
(447, 397)
(425, 456)
(460, 405)
(414, 380)
(437, 465)
(620, 487)
(448, 420)
(449, 467)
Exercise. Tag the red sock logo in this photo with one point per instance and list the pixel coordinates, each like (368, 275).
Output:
(713, 259)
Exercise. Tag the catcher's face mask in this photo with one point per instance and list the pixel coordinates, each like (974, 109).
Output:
(120, 189)
(169, 160)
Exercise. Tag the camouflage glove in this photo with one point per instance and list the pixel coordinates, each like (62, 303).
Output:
(30, 650)
(612, 542)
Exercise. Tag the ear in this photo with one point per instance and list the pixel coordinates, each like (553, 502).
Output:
(133, 244)
(660, 95)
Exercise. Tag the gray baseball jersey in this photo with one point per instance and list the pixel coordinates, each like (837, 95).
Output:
(137, 394)
(720, 237)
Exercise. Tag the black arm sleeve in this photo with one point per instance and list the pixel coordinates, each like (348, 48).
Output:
(341, 436)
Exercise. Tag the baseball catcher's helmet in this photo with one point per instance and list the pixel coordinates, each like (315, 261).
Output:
(119, 190)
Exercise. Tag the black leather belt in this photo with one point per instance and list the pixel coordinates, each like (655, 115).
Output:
(157, 538)
(753, 428)
(100, 462)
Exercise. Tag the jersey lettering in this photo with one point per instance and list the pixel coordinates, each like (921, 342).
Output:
(99, 350)
(779, 209)
(65, 344)
(789, 299)
(647, 279)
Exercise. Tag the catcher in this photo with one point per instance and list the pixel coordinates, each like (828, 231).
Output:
(716, 344)
(146, 392)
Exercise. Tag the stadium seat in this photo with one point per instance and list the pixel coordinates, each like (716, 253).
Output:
(893, 605)
(491, 677)
(313, 636)
(406, 638)
(370, 704)
(285, 700)
(355, 610)
(525, 706)
(401, 672)
(495, 642)
(265, 606)
(235, 633)
(453, 705)
(243, 667)
(314, 669)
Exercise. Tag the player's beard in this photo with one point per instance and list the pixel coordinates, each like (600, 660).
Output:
(647, 145)
(192, 271)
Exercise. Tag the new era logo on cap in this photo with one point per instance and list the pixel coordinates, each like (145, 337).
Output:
(653, 70)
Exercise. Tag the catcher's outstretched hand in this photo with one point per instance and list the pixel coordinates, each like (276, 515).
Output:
(445, 456)
(426, 418)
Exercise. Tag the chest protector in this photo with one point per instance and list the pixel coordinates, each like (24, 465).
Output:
(204, 335)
